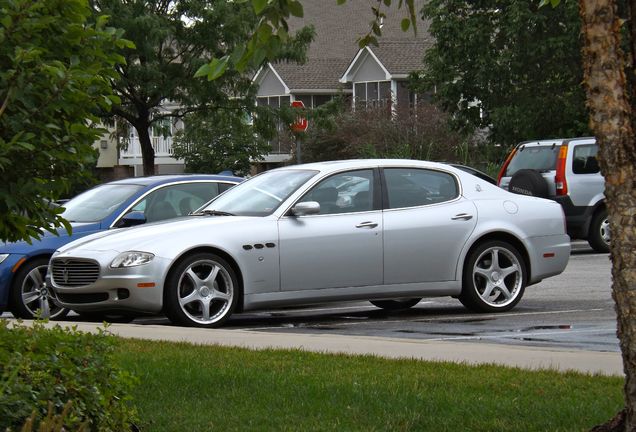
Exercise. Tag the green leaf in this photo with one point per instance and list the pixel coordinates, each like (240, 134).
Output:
(264, 32)
(259, 6)
(203, 71)
(296, 8)
(6, 21)
(341, 2)
(217, 67)
(405, 24)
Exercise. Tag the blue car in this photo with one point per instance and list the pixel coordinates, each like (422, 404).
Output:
(118, 204)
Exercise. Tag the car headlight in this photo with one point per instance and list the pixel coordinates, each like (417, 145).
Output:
(131, 259)
(3, 257)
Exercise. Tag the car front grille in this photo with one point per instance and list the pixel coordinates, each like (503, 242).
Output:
(74, 272)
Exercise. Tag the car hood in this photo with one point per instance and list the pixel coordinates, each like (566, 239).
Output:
(146, 237)
(49, 240)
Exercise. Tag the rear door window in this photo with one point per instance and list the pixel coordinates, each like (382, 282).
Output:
(539, 158)
(411, 187)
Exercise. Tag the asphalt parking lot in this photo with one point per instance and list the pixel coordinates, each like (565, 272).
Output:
(571, 311)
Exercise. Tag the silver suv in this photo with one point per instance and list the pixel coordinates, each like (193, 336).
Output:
(565, 170)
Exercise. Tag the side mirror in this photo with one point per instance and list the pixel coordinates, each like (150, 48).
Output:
(306, 208)
(133, 218)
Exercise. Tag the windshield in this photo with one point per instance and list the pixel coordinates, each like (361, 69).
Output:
(260, 195)
(97, 203)
(540, 158)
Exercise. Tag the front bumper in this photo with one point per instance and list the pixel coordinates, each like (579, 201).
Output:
(6, 278)
(136, 289)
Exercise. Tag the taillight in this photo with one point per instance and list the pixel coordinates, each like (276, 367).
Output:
(505, 166)
(559, 179)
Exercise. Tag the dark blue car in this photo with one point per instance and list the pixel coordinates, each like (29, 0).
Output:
(118, 204)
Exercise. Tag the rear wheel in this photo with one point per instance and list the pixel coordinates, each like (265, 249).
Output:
(599, 236)
(392, 305)
(30, 297)
(201, 291)
(494, 278)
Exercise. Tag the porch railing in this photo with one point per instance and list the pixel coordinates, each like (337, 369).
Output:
(161, 145)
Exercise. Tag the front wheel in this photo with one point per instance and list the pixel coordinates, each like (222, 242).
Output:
(392, 305)
(494, 278)
(201, 291)
(30, 297)
(599, 237)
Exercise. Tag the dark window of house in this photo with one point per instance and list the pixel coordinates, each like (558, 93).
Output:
(361, 92)
(321, 99)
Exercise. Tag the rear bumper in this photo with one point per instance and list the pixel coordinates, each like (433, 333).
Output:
(549, 255)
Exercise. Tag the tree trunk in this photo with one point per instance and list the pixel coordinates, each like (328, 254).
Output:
(611, 116)
(147, 151)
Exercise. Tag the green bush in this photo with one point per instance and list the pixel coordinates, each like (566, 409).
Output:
(42, 369)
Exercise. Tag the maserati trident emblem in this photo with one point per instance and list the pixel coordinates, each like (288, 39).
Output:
(65, 275)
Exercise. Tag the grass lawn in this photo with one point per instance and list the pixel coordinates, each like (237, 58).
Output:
(195, 388)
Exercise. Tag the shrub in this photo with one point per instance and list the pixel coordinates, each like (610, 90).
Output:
(42, 369)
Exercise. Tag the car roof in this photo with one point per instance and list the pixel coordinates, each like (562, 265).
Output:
(162, 179)
(555, 141)
(332, 166)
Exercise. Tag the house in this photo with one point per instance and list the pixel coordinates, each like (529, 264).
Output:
(369, 76)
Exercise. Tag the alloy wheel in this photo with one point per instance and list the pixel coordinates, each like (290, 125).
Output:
(205, 292)
(497, 276)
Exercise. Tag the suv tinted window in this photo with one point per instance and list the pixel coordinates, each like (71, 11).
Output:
(540, 158)
(584, 159)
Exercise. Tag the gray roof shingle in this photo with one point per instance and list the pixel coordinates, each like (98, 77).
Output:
(338, 27)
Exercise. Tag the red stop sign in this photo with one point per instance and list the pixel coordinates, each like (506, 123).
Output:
(301, 123)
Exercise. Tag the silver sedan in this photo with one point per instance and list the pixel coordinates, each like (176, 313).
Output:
(387, 231)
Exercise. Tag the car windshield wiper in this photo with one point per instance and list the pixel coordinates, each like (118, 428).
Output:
(212, 213)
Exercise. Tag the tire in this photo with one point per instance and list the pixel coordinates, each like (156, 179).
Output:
(393, 305)
(528, 182)
(191, 300)
(30, 297)
(494, 278)
(599, 235)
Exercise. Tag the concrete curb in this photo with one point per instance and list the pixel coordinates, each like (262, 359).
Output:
(534, 358)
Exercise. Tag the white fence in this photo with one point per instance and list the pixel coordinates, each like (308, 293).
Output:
(162, 146)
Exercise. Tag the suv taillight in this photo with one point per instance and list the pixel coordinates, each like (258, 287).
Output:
(559, 179)
(504, 167)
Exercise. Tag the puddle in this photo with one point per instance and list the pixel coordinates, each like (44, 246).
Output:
(436, 333)
(455, 320)
(547, 327)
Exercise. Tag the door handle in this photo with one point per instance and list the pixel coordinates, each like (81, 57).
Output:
(367, 225)
(462, 216)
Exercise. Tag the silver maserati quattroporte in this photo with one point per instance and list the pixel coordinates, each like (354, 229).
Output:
(387, 231)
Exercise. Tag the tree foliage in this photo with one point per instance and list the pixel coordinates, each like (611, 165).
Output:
(339, 133)
(55, 66)
(508, 66)
(218, 141)
(174, 39)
